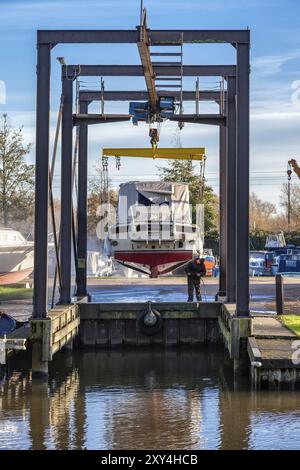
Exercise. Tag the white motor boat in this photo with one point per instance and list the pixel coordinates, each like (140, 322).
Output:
(16, 256)
(257, 263)
(154, 233)
(275, 240)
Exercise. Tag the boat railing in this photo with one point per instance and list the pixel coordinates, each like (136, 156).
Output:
(154, 230)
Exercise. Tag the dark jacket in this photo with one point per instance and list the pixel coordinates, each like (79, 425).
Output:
(195, 269)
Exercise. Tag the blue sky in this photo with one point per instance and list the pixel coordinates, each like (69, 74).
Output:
(275, 65)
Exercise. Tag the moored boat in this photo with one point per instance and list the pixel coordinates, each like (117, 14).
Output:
(16, 256)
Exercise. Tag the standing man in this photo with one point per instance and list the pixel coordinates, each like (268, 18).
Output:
(194, 270)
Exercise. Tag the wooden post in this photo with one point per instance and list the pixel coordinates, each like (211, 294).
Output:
(279, 294)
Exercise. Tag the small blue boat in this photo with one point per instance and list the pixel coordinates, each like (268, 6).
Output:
(7, 324)
(289, 264)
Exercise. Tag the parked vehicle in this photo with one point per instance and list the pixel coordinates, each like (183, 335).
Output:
(210, 263)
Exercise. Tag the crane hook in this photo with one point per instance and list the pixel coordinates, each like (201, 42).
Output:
(289, 170)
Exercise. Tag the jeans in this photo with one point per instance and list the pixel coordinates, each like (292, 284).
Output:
(193, 283)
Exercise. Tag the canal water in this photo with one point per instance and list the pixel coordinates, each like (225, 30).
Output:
(161, 399)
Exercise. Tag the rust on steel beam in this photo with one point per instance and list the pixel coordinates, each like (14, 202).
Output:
(211, 119)
(144, 51)
(167, 37)
(120, 95)
(157, 37)
(159, 70)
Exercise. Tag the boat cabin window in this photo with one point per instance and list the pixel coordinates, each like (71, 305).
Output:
(8, 237)
(3, 237)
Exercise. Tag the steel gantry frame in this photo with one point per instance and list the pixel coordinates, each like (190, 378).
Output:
(233, 122)
(89, 96)
(86, 98)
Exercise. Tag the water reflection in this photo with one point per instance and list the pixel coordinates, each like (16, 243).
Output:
(182, 399)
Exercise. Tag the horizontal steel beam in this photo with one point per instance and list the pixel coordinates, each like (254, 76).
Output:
(211, 119)
(89, 95)
(99, 118)
(161, 152)
(165, 54)
(159, 70)
(157, 37)
(165, 37)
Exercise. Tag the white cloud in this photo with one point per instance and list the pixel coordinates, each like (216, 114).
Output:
(280, 117)
(273, 64)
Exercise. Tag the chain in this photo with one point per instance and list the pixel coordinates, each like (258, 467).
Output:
(118, 163)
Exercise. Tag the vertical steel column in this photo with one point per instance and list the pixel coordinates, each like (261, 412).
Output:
(66, 188)
(279, 294)
(242, 220)
(231, 190)
(223, 211)
(82, 204)
(40, 294)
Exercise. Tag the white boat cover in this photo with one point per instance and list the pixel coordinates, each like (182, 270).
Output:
(150, 193)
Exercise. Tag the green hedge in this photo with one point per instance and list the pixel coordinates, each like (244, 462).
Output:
(258, 239)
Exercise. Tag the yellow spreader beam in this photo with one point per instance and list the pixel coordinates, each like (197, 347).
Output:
(169, 153)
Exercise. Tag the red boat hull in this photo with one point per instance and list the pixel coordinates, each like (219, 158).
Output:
(154, 259)
(14, 277)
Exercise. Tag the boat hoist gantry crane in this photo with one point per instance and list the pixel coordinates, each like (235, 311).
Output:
(161, 65)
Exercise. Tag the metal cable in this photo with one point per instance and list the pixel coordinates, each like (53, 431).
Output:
(51, 173)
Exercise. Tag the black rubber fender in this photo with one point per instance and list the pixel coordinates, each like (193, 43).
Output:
(149, 330)
(7, 324)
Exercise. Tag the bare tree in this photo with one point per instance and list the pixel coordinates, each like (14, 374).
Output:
(98, 194)
(262, 213)
(294, 204)
(16, 176)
